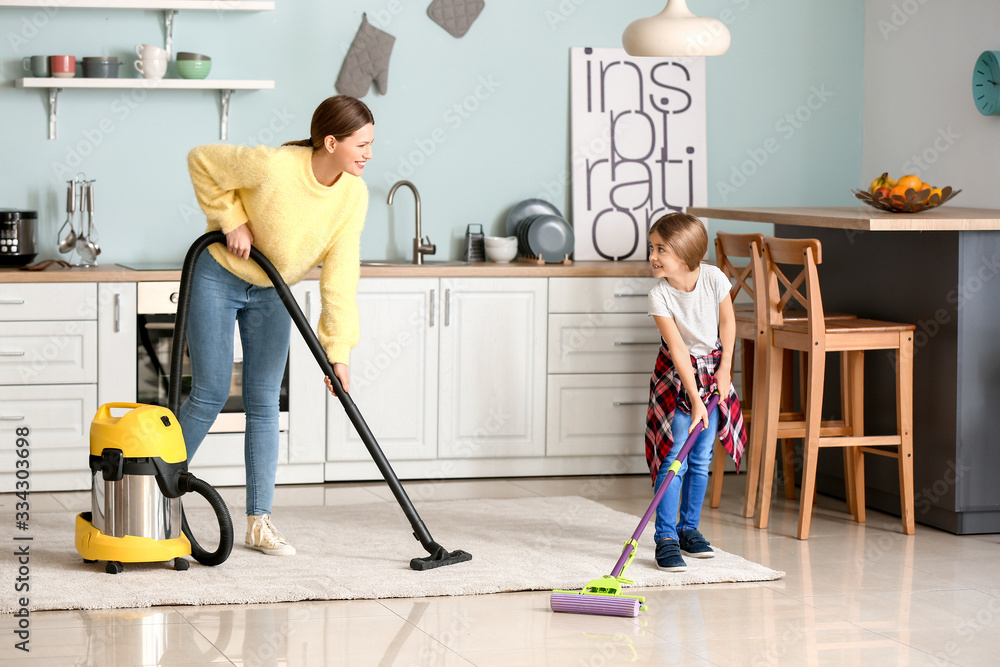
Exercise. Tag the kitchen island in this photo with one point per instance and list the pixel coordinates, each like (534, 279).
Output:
(937, 269)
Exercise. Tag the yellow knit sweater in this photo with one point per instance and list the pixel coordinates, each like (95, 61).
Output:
(295, 221)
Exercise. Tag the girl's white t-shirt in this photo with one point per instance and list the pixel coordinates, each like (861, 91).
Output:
(696, 313)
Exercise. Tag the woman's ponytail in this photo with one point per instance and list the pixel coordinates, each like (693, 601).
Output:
(338, 116)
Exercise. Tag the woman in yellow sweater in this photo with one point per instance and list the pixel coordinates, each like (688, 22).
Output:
(301, 205)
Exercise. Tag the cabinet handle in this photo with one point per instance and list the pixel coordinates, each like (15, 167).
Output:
(637, 342)
(11, 302)
(431, 314)
(11, 418)
(11, 354)
(118, 312)
(447, 307)
(618, 404)
(623, 295)
(308, 306)
(174, 296)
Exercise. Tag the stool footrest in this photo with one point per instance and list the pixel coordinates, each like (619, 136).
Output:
(880, 452)
(863, 441)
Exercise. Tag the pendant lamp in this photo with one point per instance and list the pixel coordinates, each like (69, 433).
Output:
(676, 32)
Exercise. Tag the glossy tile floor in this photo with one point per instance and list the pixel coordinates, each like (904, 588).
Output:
(853, 595)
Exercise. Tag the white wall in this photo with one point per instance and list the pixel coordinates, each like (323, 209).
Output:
(919, 115)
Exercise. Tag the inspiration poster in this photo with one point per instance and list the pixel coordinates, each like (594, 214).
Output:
(639, 147)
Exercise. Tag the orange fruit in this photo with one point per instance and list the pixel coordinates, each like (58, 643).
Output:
(900, 190)
(935, 191)
(909, 181)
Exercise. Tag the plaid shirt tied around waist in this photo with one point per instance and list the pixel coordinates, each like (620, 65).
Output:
(666, 392)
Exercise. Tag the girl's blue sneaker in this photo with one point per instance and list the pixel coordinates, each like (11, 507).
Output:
(694, 544)
(668, 555)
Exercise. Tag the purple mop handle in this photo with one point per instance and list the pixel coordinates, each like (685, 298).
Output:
(681, 455)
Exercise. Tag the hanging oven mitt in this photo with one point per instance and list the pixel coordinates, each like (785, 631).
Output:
(366, 60)
(455, 16)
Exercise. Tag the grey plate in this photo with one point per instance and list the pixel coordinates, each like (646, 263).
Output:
(550, 237)
(527, 209)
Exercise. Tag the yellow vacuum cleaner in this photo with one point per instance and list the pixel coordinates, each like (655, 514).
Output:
(139, 464)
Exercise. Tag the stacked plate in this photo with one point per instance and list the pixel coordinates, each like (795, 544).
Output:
(541, 230)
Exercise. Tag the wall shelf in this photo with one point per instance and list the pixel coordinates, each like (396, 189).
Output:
(168, 7)
(153, 5)
(224, 86)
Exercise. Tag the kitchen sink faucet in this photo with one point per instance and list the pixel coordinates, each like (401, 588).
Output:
(420, 247)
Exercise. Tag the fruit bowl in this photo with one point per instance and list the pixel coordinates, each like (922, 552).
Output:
(912, 202)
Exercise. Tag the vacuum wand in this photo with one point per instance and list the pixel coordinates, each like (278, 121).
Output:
(438, 555)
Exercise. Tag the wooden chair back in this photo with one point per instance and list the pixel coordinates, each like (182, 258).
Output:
(728, 246)
(797, 284)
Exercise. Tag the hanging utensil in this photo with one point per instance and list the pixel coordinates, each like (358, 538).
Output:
(83, 246)
(69, 242)
(91, 230)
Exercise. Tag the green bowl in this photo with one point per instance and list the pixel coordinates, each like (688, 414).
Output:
(193, 69)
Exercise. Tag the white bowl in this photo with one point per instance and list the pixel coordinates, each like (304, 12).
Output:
(501, 254)
(500, 241)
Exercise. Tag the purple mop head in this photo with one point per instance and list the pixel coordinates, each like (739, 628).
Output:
(605, 605)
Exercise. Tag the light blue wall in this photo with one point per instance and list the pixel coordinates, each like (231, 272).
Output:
(477, 123)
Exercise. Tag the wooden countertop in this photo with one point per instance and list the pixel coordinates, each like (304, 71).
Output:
(942, 219)
(113, 273)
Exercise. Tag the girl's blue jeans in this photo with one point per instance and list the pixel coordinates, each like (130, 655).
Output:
(218, 299)
(687, 490)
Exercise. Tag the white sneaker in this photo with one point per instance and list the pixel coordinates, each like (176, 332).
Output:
(264, 537)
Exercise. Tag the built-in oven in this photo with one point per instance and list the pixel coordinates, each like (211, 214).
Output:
(156, 310)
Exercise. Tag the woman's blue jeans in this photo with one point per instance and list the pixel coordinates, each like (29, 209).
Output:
(218, 299)
(688, 488)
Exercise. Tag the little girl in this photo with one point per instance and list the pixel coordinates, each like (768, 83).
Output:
(692, 309)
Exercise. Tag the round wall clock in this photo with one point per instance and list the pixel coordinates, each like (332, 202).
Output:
(986, 83)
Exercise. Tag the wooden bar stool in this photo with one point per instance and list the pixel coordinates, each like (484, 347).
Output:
(816, 336)
(750, 330)
(744, 297)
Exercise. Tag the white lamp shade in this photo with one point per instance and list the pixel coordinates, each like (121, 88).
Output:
(676, 32)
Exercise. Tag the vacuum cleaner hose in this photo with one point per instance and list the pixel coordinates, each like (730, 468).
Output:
(188, 483)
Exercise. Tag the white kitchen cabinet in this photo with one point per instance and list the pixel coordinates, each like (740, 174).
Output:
(48, 380)
(48, 352)
(602, 343)
(492, 379)
(116, 343)
(58, 422)
(446, 369)
(597, 414)
(394, 373)
(601, 350)
(306, 389)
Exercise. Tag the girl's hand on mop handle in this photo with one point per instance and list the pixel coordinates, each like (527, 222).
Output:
(698, 413)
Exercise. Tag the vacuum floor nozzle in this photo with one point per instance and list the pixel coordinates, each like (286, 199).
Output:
(440, 559)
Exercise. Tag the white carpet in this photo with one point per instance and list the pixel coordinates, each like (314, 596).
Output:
(363, 551)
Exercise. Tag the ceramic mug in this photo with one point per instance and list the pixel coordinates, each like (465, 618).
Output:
(63, 67)
(37, 65)
(151, 68)
(148, 51)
